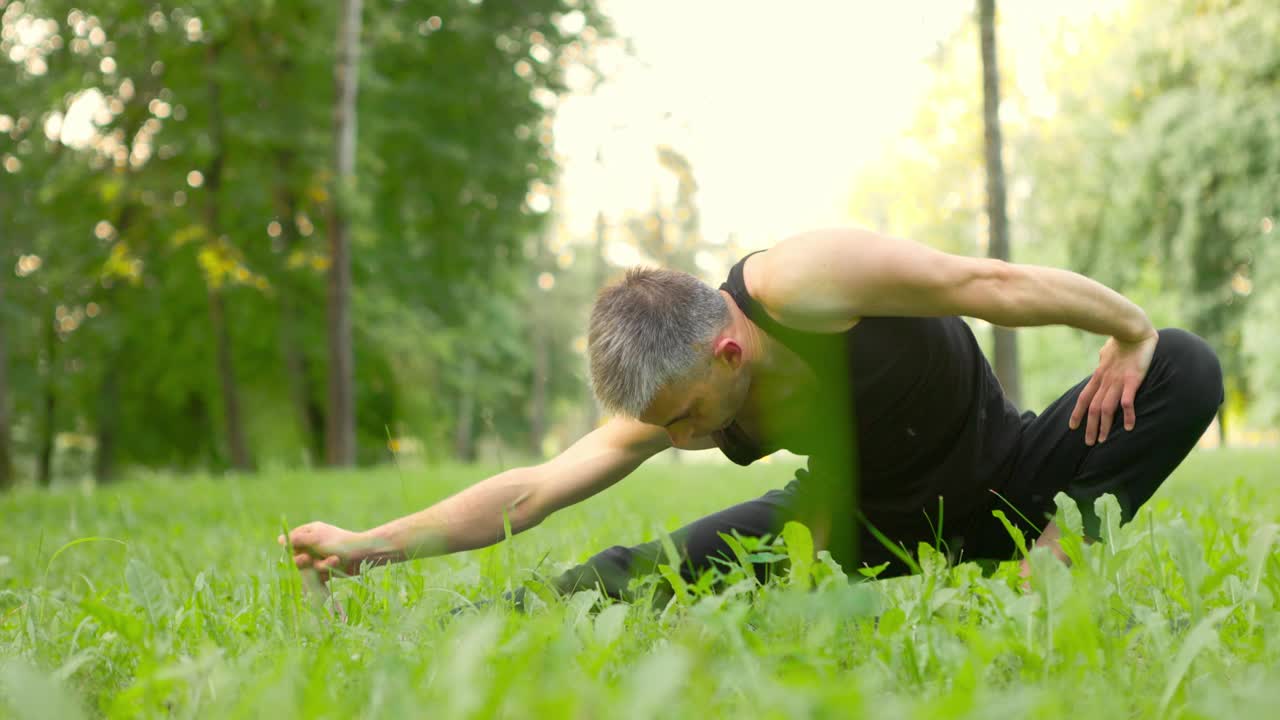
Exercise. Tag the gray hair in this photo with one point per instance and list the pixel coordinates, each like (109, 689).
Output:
(648, 329)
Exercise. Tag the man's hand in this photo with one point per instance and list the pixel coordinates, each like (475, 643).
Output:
(1121, 369)
(328, 549)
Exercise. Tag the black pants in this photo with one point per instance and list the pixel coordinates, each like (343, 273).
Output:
(1175, 404)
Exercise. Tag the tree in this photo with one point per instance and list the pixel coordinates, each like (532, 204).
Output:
(342, 431)
(217, 247)
(1163, 177)
(1006, 347)
(200, 187)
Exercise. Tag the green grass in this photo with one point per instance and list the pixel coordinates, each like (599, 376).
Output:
(169, 598)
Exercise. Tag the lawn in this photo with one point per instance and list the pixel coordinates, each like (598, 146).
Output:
(168, 597)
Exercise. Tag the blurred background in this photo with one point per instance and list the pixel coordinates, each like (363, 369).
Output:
(303, 233)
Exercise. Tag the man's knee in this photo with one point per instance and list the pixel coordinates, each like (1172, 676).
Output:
(1197, 372)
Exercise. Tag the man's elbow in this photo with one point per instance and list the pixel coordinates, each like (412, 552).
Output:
(1000, 292)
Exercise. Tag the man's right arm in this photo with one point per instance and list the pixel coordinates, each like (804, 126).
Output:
(476, 516)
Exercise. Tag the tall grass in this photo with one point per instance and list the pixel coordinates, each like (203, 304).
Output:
(168, 597)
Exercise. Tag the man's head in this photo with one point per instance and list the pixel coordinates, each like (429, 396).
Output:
(662, 350)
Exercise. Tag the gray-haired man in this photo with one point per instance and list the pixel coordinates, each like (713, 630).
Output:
(845, 346)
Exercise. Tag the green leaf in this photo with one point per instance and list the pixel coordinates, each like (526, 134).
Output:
(148, 590)
(1019, 540)
(766, 557)
(800, 551)
(835, 573)
(1069, 519)
(932, 562)
(1107, 509)
(127, 626)
(669, 549)
(741, 554)
(610, 622)
(1071, 527)
(891, 621)
(677, 583)
(872, 571)
(1188, 557)
(1259, 550)
(581, 602)
(1202, 636)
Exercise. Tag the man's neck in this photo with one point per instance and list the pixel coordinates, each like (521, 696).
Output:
(778, 375)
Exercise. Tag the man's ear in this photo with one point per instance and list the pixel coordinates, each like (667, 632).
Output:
(728, 350)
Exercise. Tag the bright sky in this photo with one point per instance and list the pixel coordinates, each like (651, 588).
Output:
(777, 105)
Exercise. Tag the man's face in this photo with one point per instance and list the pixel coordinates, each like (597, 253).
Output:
(706, 402)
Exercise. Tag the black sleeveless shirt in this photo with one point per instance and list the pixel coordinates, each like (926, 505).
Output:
(914, 398)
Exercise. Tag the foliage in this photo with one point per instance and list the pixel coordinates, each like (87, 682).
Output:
(203, 170)
(168, 596)
(1164, 169)
(1152, 166)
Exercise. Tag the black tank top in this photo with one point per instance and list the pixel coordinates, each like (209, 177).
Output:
(931, 419)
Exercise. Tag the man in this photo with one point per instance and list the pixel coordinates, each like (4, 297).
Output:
(845, 346)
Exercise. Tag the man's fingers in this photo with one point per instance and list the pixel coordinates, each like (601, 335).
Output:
(1095, 415)
(1082, 402)
(1126, 402)
(1109, 399)
(326, 567)
(302, 560)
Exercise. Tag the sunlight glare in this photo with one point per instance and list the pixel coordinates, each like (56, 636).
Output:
(571, 23)
(28, 264)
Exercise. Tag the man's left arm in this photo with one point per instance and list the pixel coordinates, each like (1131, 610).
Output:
(825, 280)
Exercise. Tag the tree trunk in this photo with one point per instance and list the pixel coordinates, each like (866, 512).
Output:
(341, 441)
(48, 425)
(106, 418)
(232, 421)
(309, 412)
(6, 454)
(1006, 347)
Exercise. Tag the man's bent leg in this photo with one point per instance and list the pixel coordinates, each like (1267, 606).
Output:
(1175, 405)
(699, 544)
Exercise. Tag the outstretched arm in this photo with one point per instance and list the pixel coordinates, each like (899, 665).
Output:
(476, 516)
